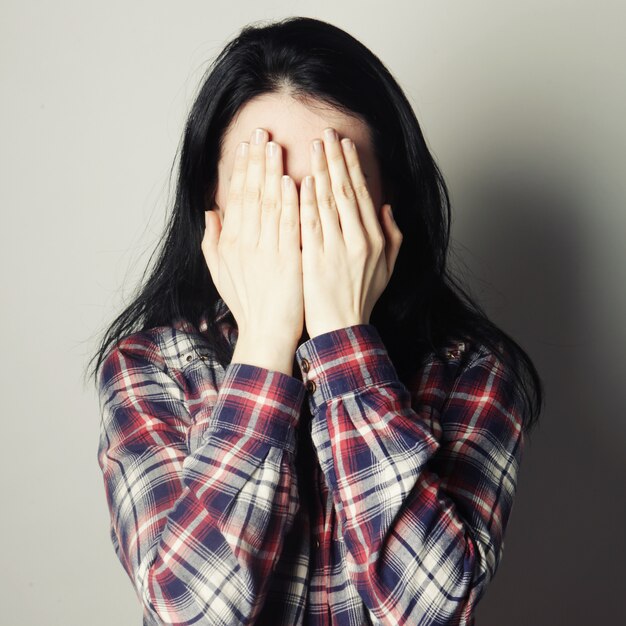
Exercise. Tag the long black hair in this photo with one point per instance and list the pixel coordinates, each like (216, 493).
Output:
(423, 305)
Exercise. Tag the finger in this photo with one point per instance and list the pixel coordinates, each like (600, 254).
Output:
(253, 187)
(271, 203)
(232, 217)
(341, 185)
(367, 210)
(326, 207)
(289, 236)
(310, 224)
(393, 238)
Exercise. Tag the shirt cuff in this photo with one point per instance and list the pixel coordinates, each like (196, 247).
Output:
(255, 402)
(342, 361)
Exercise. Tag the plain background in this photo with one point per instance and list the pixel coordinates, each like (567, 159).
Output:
(522, 106)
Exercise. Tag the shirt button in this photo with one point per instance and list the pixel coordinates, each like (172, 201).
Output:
(310, 385)
(317, 543)
(304, 364)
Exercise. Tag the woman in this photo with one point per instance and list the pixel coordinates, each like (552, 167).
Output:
(305, 418)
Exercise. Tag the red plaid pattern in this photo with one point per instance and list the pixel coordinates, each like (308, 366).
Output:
(246, 496)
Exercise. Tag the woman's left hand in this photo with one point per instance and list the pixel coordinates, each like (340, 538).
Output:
(347, 257)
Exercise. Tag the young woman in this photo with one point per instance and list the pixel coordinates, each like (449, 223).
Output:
(305, 419)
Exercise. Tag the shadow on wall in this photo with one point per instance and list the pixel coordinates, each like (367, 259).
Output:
(525, 237)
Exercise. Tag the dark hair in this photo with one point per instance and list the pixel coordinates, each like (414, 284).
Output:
(423, 305)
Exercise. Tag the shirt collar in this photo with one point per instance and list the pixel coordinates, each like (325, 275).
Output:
(220, 309)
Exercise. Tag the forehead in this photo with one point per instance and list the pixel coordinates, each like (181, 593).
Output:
(292, 122)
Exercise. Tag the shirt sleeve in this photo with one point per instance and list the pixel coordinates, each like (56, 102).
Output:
(423, 518)
(198, 534)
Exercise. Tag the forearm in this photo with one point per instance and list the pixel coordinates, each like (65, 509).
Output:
(177, 516)
(414, 508)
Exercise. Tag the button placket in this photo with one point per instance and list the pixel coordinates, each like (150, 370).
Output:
(305, 365)
(203, 357)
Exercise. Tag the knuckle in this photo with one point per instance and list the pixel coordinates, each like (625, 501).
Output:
(326, 201)
(256, 162)
(361, 248)
(378, 244)
(361, 191)
(290, 223)
(336, 157)
(235, 196)
(311, 223)
(252, 195)
(270, 204)
(344, 189)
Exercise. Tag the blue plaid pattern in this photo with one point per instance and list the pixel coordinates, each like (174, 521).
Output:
(337, 495)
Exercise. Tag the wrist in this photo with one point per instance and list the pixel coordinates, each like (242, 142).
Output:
(320, 329)
(268, 352)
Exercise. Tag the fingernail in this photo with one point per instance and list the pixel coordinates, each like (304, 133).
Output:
(270, 148)
(258, 135)
(347, 143)
(330, 134)
(285, 180)
(390, 211)
(317, 145)
(308, 181)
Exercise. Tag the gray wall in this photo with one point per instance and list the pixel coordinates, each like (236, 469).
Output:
(522, 105)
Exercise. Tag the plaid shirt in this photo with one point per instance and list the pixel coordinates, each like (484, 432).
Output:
(247, 496)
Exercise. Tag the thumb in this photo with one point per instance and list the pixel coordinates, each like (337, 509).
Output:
(213, 228)
(393, 237)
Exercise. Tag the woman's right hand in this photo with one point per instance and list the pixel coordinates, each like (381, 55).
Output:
(254, 255)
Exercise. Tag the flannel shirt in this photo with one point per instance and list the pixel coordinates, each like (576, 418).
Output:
(242, 495)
